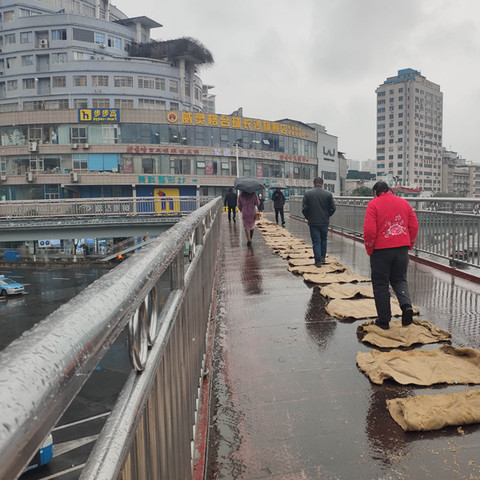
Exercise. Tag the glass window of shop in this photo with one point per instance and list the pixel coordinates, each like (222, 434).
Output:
(180, 166)
(271, 169)
(11, 136)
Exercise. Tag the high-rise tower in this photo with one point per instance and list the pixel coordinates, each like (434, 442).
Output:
(409, 131)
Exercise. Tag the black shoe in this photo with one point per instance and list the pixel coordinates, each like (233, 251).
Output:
(318, 264)
(323, 261)
(407, 315)
(383, 325)
(283, 224)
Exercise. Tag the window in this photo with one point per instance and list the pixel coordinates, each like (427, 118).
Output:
(100, 103)
(8, 16)
(159, 83)
(80, 162)
(80, 81)
(99, 81)
(59, 34)
(174, 106)
(148, 104)
(26, 37)
(123, 81)
(115, 42)
(59, 58)
(174, 86)
(78, 134)
(80, 103)
(146, 82)
(123, 103)
(59, 82)
(27, 60)
(27, 13)
(12, 85)
(10, 39)
(99, 38)
(11, 62)
(82, 56)
(28, 83)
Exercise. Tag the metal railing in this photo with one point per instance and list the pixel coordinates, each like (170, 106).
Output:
(163, 296)
(100, 207)
(449, 228)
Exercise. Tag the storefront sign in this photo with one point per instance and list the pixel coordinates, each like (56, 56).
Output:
(229, 121)
(93, 115)
(164, 179)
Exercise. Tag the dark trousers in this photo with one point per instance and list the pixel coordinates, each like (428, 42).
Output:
(231, 210)
(277, 212)
(319, 233)
(389, 267)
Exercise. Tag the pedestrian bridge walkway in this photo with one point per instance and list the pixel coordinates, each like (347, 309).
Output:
(288, 401)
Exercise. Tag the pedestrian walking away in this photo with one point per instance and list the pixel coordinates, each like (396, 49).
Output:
(231, 203)
(247, 204)
(261, 204)
(278, 199)
(317, 207)
(389, 232)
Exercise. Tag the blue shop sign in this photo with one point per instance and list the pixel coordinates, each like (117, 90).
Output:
(93, 115)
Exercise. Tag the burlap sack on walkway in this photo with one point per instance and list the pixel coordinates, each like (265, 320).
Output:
(332, 267)
(425, 367)
(296, 262)
(343, 308)
(420, 331)
(433, 412)
(326, 278)
(347, 291)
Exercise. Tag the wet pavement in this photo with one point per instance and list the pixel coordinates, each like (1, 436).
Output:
(288, 401)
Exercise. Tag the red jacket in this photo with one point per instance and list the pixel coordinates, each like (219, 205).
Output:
(389, 222)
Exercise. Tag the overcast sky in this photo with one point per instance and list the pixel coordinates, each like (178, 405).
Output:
(321, 60)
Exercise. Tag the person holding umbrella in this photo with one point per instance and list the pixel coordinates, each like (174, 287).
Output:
(247, 203)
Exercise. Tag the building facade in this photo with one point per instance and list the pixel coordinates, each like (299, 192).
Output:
(83, 116)
(409, 131)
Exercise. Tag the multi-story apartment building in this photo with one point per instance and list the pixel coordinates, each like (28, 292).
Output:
(90, 106)
(409, 131)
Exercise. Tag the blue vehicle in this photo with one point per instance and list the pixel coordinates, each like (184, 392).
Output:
(44, 455)
(10, 287)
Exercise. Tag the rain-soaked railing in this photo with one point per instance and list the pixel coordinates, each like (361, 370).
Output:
(76, 208)
(449, 228)
(162, 295)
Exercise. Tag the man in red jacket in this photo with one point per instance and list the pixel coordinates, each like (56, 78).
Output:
(389, 231)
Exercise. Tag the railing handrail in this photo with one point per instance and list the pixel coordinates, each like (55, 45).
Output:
(449, 227)
(42, 371)
(100, 207)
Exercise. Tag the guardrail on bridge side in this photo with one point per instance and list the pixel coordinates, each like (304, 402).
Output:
(164, 300)
(449, 228)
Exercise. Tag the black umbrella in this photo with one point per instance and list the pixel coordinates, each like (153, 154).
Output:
(248, 184)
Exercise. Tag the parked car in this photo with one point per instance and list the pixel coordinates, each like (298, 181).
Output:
(10, 287)
(44, 455)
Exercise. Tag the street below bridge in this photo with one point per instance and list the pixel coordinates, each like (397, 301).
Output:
(288, 400)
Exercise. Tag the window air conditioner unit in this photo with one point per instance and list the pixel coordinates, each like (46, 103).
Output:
(32, 146)
(101, 45)
(74, 176)
(3, 178)
(74, 146)
(43, 43)
(86, 145)
(29, 176)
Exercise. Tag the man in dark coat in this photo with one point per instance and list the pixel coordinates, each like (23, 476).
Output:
(231, 203)
(278, 199)
(317, 207)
